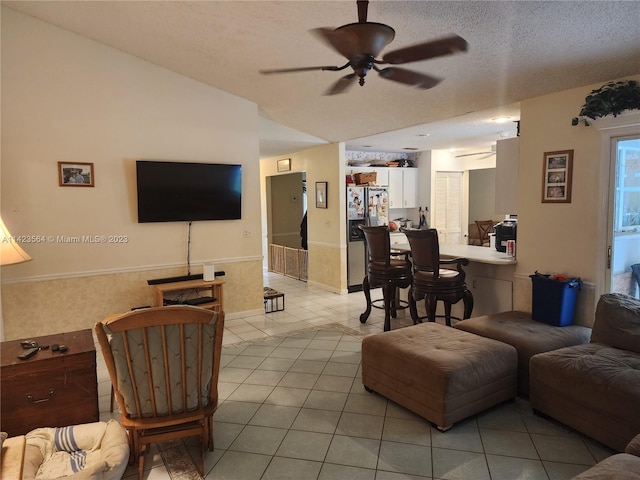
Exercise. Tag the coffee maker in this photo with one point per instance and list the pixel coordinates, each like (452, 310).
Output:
(505, 231)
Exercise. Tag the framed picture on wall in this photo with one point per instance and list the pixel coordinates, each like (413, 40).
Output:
(75, 174)
(556, 176)
(321, 194)
(284, 165)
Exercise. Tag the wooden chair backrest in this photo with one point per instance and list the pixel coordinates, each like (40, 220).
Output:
(425, 250)
(485, 227)
(378, 244)
(163, 361)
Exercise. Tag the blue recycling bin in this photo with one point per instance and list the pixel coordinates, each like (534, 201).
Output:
(554, 301)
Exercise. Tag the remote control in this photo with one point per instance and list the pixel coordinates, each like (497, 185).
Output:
(29, 353)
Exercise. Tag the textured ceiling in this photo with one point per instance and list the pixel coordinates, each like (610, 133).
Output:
(517, 50)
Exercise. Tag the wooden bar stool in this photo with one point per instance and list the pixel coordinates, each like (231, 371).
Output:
(384, 270)
(433, 278)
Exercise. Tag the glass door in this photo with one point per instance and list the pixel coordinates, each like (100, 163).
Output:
(623, 260)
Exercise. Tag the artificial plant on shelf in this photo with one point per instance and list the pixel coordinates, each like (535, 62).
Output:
(612, 98)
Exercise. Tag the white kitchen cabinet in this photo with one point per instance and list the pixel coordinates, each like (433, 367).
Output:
(507, 158)
(403, 187)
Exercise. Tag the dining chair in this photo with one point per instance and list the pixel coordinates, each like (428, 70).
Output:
(384, 270)
(485, 227)
(436, 279)
(164, 364)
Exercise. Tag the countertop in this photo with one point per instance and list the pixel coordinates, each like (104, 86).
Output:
(473, 252)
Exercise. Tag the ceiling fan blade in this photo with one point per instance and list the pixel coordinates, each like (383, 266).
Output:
(423, 51)
(363, 7)
(341, 85)
(342, 41)
(298, 69)
(409, 77)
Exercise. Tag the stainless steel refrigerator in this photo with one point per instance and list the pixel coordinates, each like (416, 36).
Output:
(365, 206)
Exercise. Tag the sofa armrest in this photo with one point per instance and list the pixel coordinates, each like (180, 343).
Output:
(634, 446)
(12, 457)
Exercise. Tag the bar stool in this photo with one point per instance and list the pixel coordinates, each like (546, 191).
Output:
(384, 270)
(433, 283)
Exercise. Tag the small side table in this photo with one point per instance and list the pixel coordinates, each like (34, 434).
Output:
(272, 300)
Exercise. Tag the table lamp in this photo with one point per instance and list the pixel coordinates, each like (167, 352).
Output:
(10, 253)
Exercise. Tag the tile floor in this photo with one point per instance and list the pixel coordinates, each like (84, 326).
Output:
(293, 407)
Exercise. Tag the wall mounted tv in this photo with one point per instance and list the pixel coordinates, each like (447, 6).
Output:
(181, 191)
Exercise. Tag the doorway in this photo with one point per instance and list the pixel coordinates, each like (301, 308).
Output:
(623, 256)
(286, 206)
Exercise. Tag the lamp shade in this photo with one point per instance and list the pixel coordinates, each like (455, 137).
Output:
(10, 251)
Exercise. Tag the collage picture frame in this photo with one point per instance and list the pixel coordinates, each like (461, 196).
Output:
(557, 172)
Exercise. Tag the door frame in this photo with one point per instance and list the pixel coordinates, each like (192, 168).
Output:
(618, 127)
(613, 198)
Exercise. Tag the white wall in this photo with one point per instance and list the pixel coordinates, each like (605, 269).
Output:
(569, 237)
(67, 98)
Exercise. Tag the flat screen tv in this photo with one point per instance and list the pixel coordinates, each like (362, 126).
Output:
(182, 191)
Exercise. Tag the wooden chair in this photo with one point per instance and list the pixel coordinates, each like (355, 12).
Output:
(485, 227)
(433, 278)
(385, 270)
(164, 363)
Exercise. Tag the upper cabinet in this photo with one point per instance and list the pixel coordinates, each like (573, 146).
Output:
(507, 159)
(403, 187)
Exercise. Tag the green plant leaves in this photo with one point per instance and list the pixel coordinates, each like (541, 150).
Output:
(612, 98)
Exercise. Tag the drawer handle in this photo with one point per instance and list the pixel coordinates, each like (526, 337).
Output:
(51, 394)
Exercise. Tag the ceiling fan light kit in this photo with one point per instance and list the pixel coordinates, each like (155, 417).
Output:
(361, 43)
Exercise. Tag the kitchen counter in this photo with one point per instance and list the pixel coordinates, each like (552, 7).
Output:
(472, 252)
(489, 276)
(477, 254)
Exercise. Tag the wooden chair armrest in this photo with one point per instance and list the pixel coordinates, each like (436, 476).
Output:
(452, 261)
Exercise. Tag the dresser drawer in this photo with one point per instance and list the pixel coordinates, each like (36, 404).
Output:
(54, 390)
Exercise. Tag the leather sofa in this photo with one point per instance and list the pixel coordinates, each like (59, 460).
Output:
(595, 388)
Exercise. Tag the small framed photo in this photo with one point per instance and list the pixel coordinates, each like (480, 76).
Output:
(556, 176)
(284, 165)
(321, 194)
(75, 174)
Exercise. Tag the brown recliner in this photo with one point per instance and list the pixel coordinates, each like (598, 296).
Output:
(383, 269)
(432, 280)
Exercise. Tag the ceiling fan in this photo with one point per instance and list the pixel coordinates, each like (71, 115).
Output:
(487, 154)
(360, 43)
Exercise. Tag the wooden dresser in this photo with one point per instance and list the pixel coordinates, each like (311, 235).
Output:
(51, 389)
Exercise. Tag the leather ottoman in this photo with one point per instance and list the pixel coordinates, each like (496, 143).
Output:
(528, 336)
(440, 373)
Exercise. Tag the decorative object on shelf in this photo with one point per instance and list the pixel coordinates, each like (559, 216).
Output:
(557, 172)
(321, 194)
(284, 165)
(75, 174)
(612, 98)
